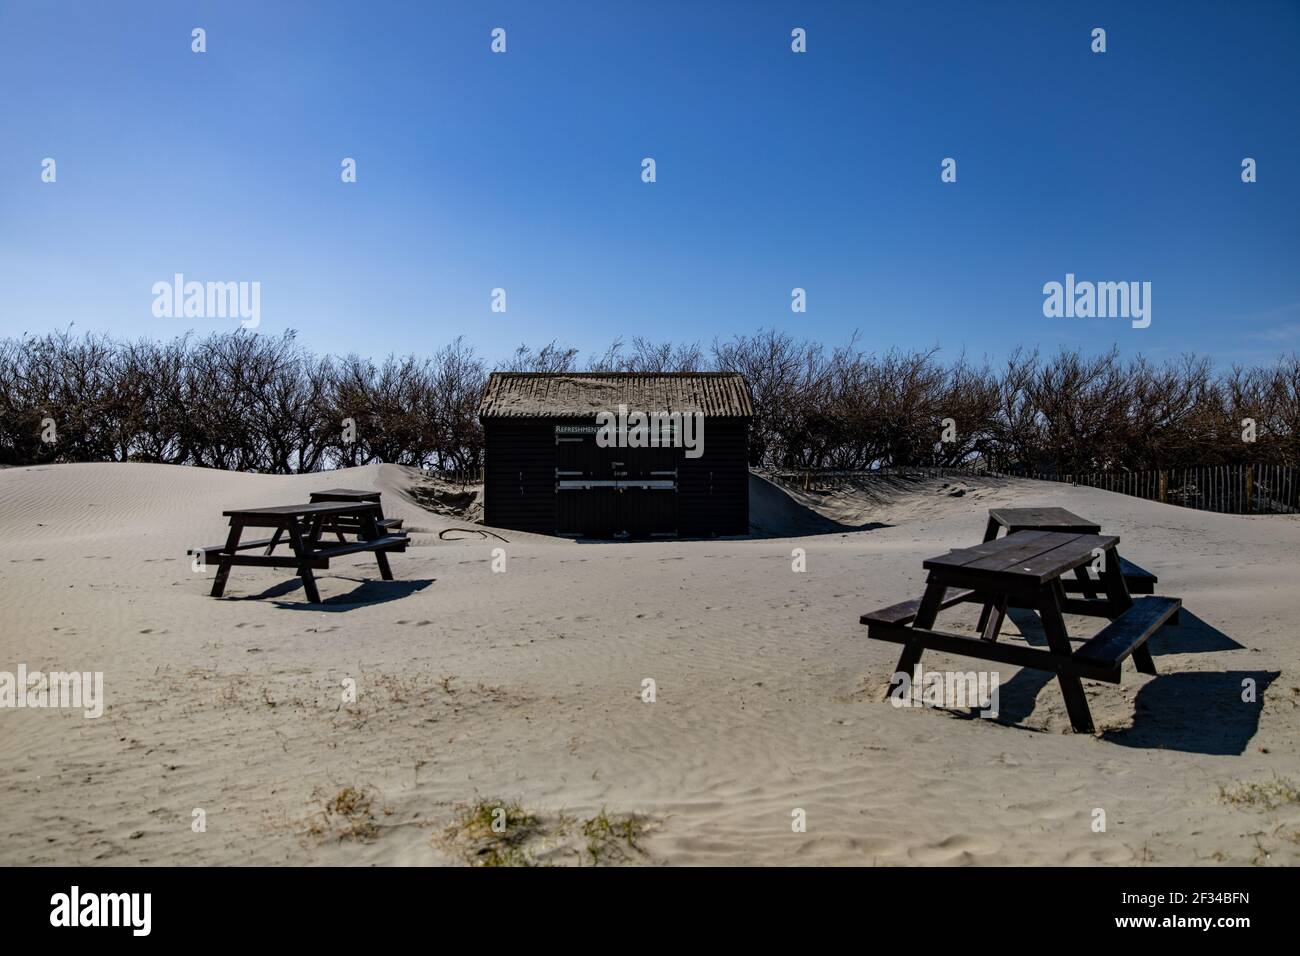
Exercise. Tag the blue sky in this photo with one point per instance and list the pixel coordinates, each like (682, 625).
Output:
(775, 170)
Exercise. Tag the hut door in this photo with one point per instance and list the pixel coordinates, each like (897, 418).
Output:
(603, 492)
(648, 492)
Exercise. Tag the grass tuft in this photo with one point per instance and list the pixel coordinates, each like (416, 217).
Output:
(1268, 796)
(503, 833)
(613, 839)
(348, 815)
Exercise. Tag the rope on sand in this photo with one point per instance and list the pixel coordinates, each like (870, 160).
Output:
(442, 535)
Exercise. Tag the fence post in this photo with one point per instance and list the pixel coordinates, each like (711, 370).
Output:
(1250, 489)
(1164, 487)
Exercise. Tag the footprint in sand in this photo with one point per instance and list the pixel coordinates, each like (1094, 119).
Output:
(1108, 854)
(955, 849)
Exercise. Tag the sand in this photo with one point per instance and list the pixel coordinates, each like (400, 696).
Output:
(475, 685)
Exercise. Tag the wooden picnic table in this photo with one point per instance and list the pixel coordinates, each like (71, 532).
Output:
(1013, 520)
(1037, 519)
(1026, 570)
(345, 494)
(339, 525)
(302, 525)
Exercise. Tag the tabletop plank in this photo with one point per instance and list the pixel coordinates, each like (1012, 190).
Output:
(345, 494)
(960, 557)
(313, 508)
(996, 554)
(1054, 563)
(1018, 550)
(1037, 556)
(1045, 518)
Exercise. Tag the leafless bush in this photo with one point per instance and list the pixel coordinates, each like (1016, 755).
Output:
(549, 358)
(254, 402)
(648, 357)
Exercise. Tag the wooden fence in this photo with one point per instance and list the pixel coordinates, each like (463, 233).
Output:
(463, 476)
(1230, 489)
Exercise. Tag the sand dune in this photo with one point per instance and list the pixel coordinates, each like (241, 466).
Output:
(526, 685)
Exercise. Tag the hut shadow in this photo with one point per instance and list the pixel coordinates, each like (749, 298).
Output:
(1200, 712)
(365, 594)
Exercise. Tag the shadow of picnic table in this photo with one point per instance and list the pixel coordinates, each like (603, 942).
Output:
(366, 594)
(1193, 711)
(1204, 712)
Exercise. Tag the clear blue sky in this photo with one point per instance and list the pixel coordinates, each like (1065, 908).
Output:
(775, 170)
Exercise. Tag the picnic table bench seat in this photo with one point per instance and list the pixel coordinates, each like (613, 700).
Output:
(212, 551)
(904, 612)
(1139, 580)
(344, 524)
(393, 523)
(1099, 658)
(395, 542)
(1123, 636)
(966, 645)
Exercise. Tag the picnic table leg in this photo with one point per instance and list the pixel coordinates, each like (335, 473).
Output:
(995, 612)
(990, 532)
(304, 570)
(1142, 659)
(988, 615)
(275, 539)
(925, 617)
(370, 531)
(1081, 573)
(333, 523)
(1114, 584)
(223, 565)
(315, 530)
(1112, 577)
(1076, 702)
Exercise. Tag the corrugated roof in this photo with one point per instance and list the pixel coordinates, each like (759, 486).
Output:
(583, 394)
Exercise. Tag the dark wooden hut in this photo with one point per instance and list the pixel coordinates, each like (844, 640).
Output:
(555, 465)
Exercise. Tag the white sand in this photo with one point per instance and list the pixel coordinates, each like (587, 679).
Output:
(768, 689)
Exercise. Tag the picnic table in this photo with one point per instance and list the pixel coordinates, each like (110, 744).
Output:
(1026, 569)
(302, 526)
(342, 524)
(345, 494)
(1012, 520)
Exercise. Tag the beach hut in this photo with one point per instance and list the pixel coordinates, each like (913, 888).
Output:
(612, 453)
